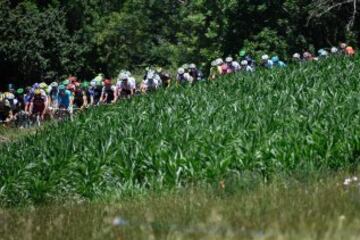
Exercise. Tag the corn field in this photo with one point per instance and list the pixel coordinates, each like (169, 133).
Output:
(301, 119)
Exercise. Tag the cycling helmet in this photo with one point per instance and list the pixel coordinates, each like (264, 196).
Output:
(122, 76)
(43, 86)
(219, 61)
(85, 85)
(244, 63)
(37, 91)
(185, 66)
(36, 85)
(334, 50)
(213, 63)
(150, 75)
(100, 77)
(93, 83)
(159, 70)
(107, 82)
(229, 59)
(349, 50)
(181, 71)
(54, 84)
(322, 53)
(296, 56)
(20, 91)
(343, 45)
(192, 66)
(275, 59)
(307, 55)
(62, 87)
(265, 57)
(242, 53)
(66, 82)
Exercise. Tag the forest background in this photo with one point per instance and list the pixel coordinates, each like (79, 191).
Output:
(47, 40)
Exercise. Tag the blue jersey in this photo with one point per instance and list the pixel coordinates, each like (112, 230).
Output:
(64, 99)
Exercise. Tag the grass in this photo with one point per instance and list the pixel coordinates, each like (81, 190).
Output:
(300, 120)
(319, 208)
(9, 134)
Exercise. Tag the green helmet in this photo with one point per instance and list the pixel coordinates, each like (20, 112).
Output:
(242, 53)
(66, 82)
(20, 91)
(85, 85)
(62, 87)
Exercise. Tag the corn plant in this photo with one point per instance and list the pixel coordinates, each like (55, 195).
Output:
(304, 118)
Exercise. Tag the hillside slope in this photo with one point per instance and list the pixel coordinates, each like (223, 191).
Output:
(304, 118)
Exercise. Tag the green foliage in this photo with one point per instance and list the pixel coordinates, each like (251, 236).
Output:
(300, 119)
(266, 42)
(36, 41)
(57, 38)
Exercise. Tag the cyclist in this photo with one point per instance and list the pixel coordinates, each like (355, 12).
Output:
(53, 95)
(307, 56)
(183, 77)
(152, 82)
(65, 99)
(97, 91)
(334, 50)
(266, 61)
(108, 93)
(80, 98)
(126, 85)
(323, 53)
(5, 109)
(194, 73)
(349, 51)
(296, 57)
(38, 104)
(165, 77)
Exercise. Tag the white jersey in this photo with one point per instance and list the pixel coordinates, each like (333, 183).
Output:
(153, 82)
(235, 66)
(130, 85)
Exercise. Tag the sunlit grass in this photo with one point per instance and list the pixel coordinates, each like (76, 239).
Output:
(317, 208)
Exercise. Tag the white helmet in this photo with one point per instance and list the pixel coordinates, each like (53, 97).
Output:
(235, 65)
(334, 50)
(219, 61)
(150, 75)
(229, 59)
(181, 71)
(192, 65)
(244, 63)
(123, 76)
(343, 45)
(93, 83)
(297, 56)
(213, 63)
(265, 57)
(54, 84)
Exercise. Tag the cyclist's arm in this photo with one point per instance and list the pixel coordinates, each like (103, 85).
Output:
(85, 101)
(46, 106)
